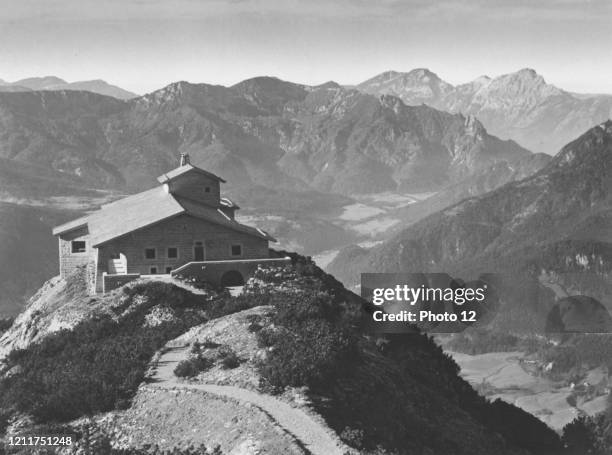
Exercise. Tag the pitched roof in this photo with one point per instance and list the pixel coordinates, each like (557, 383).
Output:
(183, 170)
(215, 215)
(145, 209)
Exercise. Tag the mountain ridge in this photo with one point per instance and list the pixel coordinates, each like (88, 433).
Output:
(54, 83)
(554, 221)
(519, 105)
(262, 130)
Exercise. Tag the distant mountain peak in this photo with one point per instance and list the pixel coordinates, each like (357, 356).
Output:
(260, 80)
(416, 74)
(40, 83)
(54, 83)
(482, 80)
(418, 86)
(527, 75)
(423, 72)
(328, 85)
(387, 75)
(171, 92)
(528, 71)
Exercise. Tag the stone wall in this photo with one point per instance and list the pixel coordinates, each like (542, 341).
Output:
(213, 272)
(69, 261)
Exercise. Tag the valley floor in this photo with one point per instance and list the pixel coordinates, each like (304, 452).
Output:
(501, 375)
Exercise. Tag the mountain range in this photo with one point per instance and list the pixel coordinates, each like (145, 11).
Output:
(556, 222)
(55, 83)
(293, 155)
(521, 105)
(260, 132)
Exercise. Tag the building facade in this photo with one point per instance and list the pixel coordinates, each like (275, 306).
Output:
(183, 221)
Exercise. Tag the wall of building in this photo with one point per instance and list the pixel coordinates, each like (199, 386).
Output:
(181, 232)
(193, 186)
(69, 261)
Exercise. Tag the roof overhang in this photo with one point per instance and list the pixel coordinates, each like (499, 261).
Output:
(70, 226)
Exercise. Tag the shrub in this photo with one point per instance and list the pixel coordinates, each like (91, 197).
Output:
(311, 341)
(375, 394)
(191, 367)
(227, 304)
(353, 437)
(209, 344)
(98, 365)
(267, 337)
(254, 318)
(157, 293)
(186, 369)
(195, 348)
(254, 327)
(229, 358)
(579, 436)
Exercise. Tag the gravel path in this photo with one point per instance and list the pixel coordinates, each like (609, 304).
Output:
(315, 438)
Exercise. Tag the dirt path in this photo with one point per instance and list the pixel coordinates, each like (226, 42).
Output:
(315, 438)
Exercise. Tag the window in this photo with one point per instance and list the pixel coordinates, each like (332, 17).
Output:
(153, 270)
(172, 253)
(168, 269)
(150, 253)
(79, 246)
(207, 189)
(236, 250)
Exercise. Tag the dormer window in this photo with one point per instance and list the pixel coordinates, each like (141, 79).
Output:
(207, 189)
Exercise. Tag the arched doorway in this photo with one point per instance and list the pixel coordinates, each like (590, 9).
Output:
(232, 278)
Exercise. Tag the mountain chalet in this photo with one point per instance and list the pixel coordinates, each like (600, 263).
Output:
(181, 227)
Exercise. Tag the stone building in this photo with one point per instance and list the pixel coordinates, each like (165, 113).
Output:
(181, 226)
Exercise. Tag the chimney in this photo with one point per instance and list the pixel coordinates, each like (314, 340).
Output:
(184, 159)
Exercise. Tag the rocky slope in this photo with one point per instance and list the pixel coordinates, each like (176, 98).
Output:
(556, 221)
(519, 106)
(395, 386)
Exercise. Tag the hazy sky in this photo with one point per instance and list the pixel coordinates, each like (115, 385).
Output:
(143, 45)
